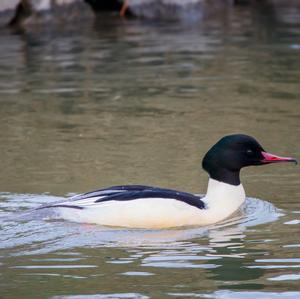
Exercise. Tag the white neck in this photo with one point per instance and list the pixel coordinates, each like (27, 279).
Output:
(223, 199)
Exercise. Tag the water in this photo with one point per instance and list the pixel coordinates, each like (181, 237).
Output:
(121, 102)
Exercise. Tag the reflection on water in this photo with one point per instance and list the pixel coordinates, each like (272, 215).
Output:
(139, 102)
(58, 235)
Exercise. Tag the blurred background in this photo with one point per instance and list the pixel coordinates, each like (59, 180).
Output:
(89, 98)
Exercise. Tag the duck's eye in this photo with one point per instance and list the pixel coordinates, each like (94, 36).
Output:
(249, 152)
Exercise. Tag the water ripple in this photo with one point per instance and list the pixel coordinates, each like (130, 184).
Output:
(42, 232)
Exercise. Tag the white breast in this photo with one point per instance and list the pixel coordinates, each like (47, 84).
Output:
(221, 201)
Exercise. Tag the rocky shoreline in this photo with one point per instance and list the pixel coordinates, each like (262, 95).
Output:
(29, 13)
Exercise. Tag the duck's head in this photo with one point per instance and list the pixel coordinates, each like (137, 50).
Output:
(225, 159)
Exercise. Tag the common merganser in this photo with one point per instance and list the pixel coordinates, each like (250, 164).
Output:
(138, 206)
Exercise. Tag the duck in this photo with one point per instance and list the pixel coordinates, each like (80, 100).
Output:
(139, 206)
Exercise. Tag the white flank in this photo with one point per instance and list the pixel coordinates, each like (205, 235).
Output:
(221, 201)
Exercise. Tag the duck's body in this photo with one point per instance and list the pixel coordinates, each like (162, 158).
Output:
(150, 207)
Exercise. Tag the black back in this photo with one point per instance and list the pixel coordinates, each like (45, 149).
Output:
(130, 192)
